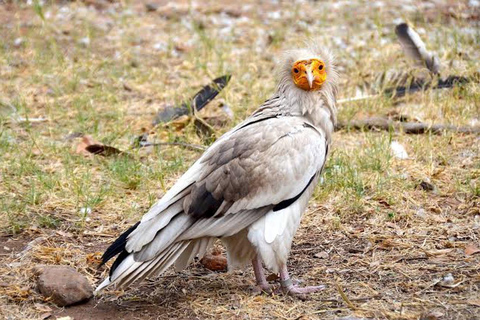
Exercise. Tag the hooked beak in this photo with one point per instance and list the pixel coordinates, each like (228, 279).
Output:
(310, 77)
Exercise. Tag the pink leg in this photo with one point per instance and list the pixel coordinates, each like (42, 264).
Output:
(262, 282)
(292, 289)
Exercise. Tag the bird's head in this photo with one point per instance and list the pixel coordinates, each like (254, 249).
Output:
(308, 82)
(309, 75)
(309, 69)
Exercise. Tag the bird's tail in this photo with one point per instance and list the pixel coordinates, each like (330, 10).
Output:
(180, 253)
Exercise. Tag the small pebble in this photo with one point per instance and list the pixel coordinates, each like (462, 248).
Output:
(18, 42)
(398, 151)
(85, 41)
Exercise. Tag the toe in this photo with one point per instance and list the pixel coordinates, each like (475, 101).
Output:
(299, 291)
(266, 287)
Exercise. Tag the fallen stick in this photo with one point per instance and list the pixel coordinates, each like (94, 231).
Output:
(378, 123)
(421, 85)
(180, 144)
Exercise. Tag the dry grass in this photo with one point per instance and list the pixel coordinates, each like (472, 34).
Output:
(378, 241)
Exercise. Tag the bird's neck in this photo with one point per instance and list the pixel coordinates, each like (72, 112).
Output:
(317, 107)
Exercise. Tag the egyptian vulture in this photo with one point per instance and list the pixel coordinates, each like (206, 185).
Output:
(249, 189)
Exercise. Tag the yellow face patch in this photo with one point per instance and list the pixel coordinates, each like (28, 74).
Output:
(309, 75)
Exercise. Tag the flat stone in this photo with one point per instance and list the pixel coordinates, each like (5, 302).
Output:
(62, 284)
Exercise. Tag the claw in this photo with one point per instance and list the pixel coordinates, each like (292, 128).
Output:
(293, 289)
(262, 283)
(264, 287)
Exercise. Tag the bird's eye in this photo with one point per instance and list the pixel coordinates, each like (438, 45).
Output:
(295, 70)
(320, 67)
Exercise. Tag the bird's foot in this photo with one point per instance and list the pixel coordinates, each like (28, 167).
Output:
(292, 289)
(264, 287)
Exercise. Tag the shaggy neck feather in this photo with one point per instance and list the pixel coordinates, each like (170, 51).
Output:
(318, 107)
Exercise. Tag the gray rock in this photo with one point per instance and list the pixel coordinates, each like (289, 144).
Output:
(63, 285)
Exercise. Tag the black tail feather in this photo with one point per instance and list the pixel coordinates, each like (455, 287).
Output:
(119, 260)
(118, 246)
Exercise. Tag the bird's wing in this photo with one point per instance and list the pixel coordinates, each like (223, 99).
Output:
(258, 166)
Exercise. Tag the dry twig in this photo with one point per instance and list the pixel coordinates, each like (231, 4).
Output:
(195, 147)
(344, 296)
(379, 123)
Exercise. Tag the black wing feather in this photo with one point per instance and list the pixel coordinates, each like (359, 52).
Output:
(118, 246)
(286, 203)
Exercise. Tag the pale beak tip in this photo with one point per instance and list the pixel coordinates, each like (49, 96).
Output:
(310, 78)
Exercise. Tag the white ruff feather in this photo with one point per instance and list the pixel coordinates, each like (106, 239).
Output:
(319, 107)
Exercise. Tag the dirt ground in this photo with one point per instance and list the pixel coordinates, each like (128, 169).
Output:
(391, 238)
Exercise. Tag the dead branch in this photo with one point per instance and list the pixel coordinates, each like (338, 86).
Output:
(194, 147)
(379, 123)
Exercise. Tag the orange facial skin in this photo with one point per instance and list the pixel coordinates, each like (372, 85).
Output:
(309, 75)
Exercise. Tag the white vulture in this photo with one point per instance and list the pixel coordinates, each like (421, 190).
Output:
(250, 188)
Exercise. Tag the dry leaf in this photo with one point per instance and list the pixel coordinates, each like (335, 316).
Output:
(474, 302)
(427, 186)
(89, 146)
(437, 253)
(46, 311)
(42, 307)
(180, 123)
(390, 243)
(64, 234)
(432, 315)
(200, 100)
(471, 249)
(82, 146)
(45, 315)
(273, 277)
(104, 150)
(321, 255)
(94, 259)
